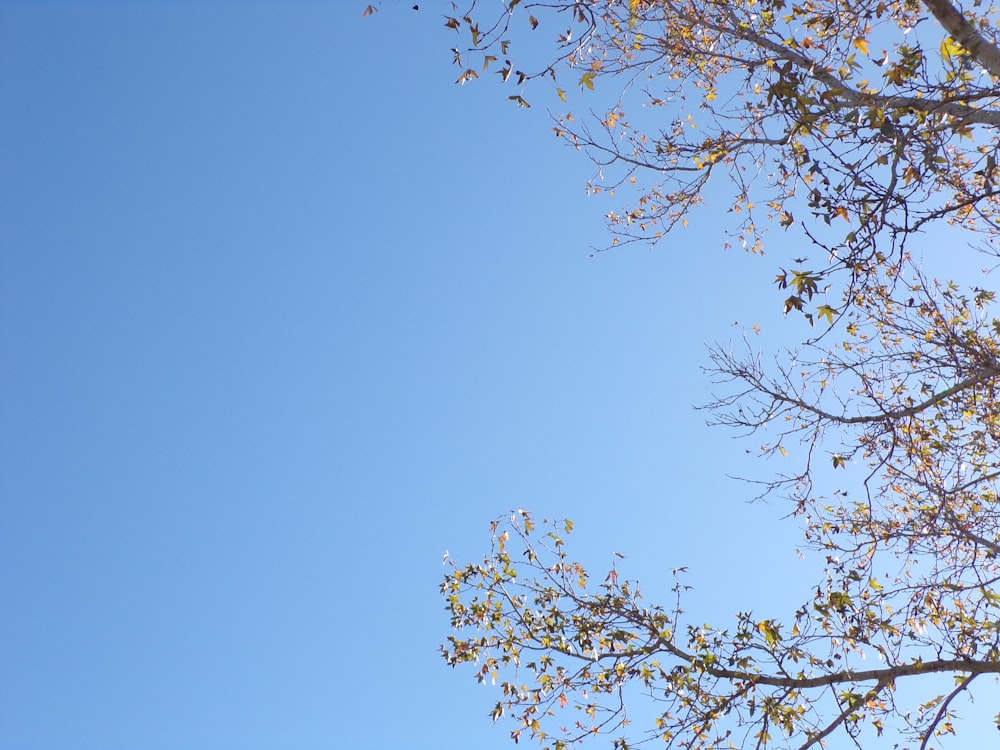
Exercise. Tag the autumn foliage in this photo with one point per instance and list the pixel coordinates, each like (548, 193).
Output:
(857, 127)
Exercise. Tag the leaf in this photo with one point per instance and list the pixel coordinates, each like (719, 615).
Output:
(825, 311)
(561, 94)
(950, 48)
(369, 11)
(587, 80)
(520, 101)
(793, 303)
(770, 630)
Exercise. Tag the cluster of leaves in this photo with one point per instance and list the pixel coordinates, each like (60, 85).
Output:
(873, 118)
(909, 398)
(907, 407)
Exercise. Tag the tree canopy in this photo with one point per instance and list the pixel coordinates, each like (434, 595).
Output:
(858, 125)
(874, 118)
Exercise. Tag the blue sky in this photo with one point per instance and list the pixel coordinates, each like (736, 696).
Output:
(284, 315)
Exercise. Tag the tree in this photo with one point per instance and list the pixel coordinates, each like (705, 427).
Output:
(912, 398)
(859, 125)
(873, 116)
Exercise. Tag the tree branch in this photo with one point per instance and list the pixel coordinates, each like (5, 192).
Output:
(851, 706)
(963, 32)
(854, 98)
(882, 676)
(984, 374)
(944, 709)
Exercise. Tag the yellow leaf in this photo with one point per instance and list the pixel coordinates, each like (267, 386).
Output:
(862, 45)
(949, 48)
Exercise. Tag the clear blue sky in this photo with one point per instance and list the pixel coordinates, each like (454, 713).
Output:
(284, 315)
